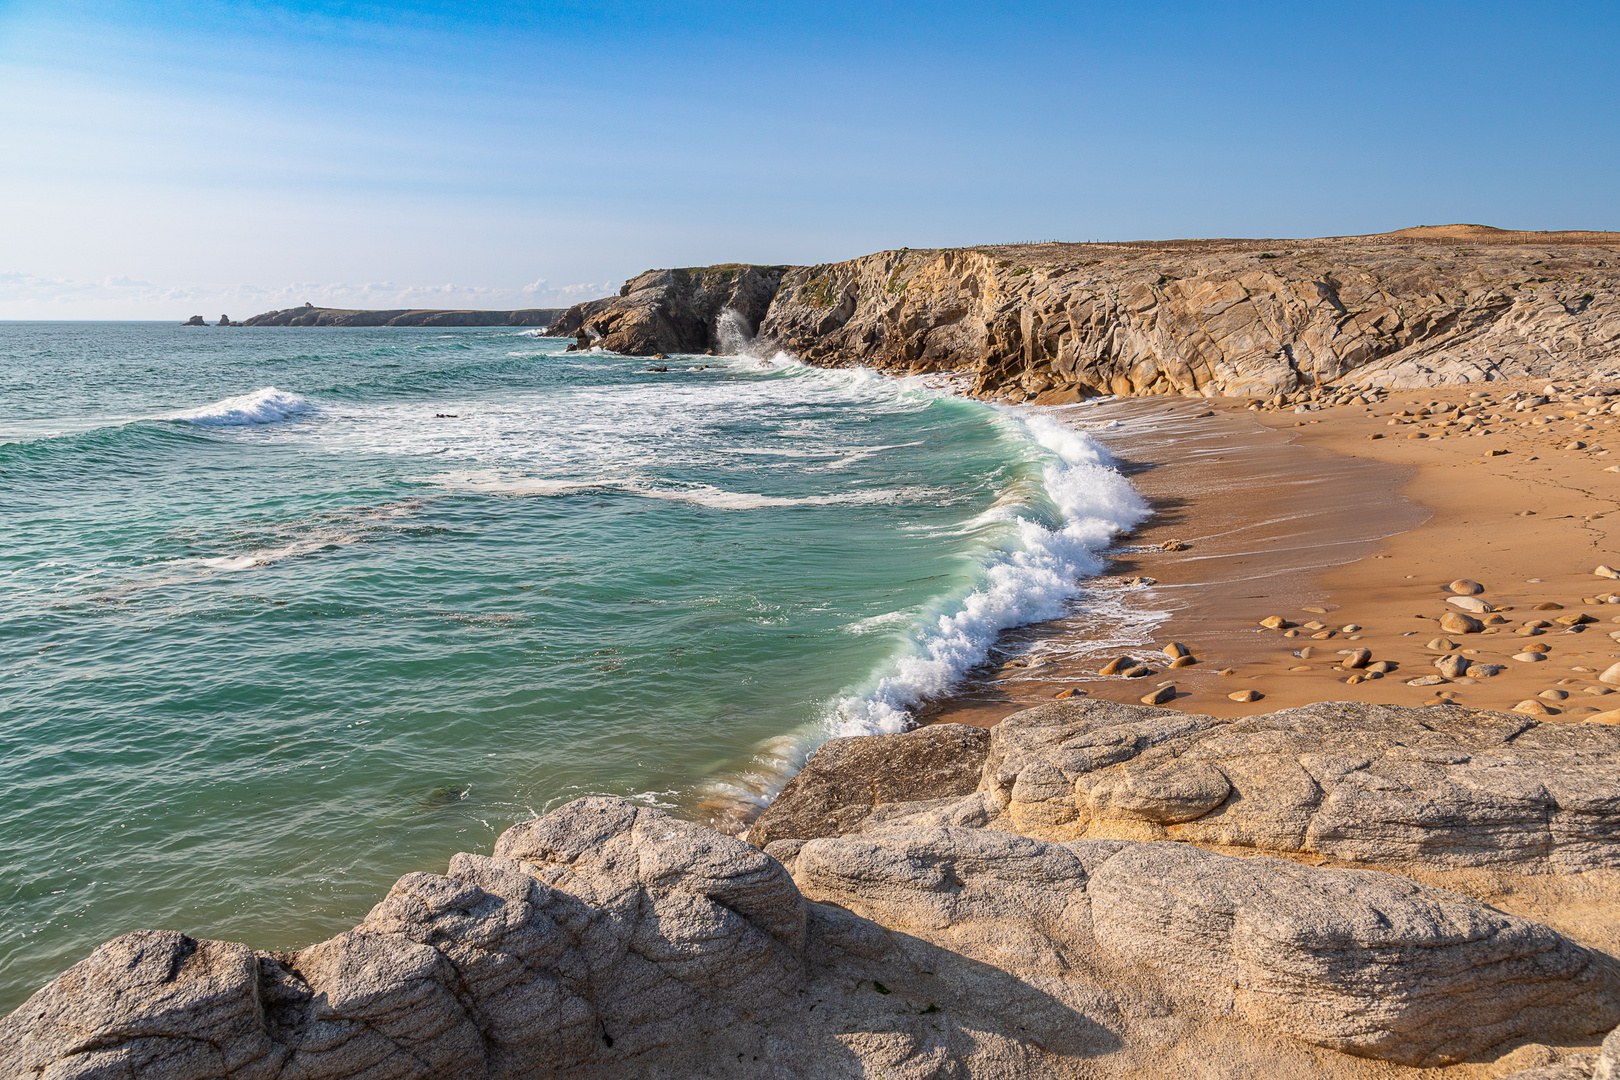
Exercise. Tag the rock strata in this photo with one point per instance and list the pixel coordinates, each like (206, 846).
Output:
(944, 939)
(692, 310)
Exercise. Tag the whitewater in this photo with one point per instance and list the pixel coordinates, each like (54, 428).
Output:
(289, 612)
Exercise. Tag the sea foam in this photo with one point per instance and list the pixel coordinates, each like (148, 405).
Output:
(1031, 582)
(264, 406)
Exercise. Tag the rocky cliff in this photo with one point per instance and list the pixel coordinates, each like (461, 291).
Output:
(309, 315)
(1057, 322)
(1039, 926)
(670, 311)
(1230, 317)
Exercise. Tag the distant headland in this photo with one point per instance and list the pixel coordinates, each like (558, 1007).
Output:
(310, 315)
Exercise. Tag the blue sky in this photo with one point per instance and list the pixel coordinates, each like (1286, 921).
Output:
(163, 160)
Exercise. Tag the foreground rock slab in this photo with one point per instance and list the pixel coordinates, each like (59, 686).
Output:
(610, 940)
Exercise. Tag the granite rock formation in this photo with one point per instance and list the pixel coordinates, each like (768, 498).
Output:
(675, 311)
(1229, 317)
(605, 939)
(309, 315)
(849, 779)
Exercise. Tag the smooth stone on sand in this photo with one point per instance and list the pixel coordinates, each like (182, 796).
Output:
(1606, 571)
(1611, 676)
(1485, 671)
(1183, 661)
(1466, 587)
(1349, 628)
(1176, 650)
(1358, 658)
(1115, 666)
(1427, 680)
(1532, 707)
(1137, 672)
(1548, 605)
(1455, 622)
(1470, 603)
(1553, 695)
(1528, 657)
(1577, 619)
(1610, 717)
(1073, 691)
(1159, 696)
(1441, 644)
(1275, 622)
(1246, 695)
(1452, 666)
(1381, 667)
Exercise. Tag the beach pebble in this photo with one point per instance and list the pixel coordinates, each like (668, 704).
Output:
(1532, 707)
(1465, 587)
(1246, 695)
(1528, 657)
(1159, 696)
(1358, 658)
(1381, 667)
(1183, 661)
(1607, 571)
(1553, 695)
(1496, 620)
(1174, 545)
(1299, 669)
(1485, 671)
(1452, 666)
(1073, 691)
(1441, 644)
(1538, 647)
(1455, 622)
(1290, 633)
(1598, 691)
(1175, 650)
(1426, 680)
(1137, 672)
(1355, 680)
(1548, 605)
(1577, 619)
(1610, 717)
(1114, 667)
(1275, 622)
(1349, 628)
(1470, 603)
(1611, 675)
(1314, 625)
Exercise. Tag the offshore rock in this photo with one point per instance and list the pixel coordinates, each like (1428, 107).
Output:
(847, 779)
(674, 311)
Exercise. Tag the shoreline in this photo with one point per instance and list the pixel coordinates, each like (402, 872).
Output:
(1338, 517)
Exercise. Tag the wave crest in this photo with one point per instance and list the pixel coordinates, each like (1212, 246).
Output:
(265, 406)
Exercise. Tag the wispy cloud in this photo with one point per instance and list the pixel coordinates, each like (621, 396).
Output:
(32, 296)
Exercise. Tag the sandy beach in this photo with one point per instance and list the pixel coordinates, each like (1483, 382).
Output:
(1348, 523)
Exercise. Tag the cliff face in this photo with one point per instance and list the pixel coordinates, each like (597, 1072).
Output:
(1062, 321)
(314, 316)
(668, 311)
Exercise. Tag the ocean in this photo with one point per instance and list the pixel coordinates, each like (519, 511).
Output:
(290, 612)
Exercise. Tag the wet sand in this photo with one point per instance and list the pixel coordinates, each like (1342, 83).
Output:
(1307, 517)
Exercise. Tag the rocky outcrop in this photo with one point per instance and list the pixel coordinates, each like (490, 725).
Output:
(605, 939)
(848, 779)
(195, 320)
(675, 311)
(309, 315)
(1063, 321)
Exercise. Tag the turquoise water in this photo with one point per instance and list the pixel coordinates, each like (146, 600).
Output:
(289, 612)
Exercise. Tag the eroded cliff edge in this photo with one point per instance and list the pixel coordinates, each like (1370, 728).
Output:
(1130, 892)
(1057, 322)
